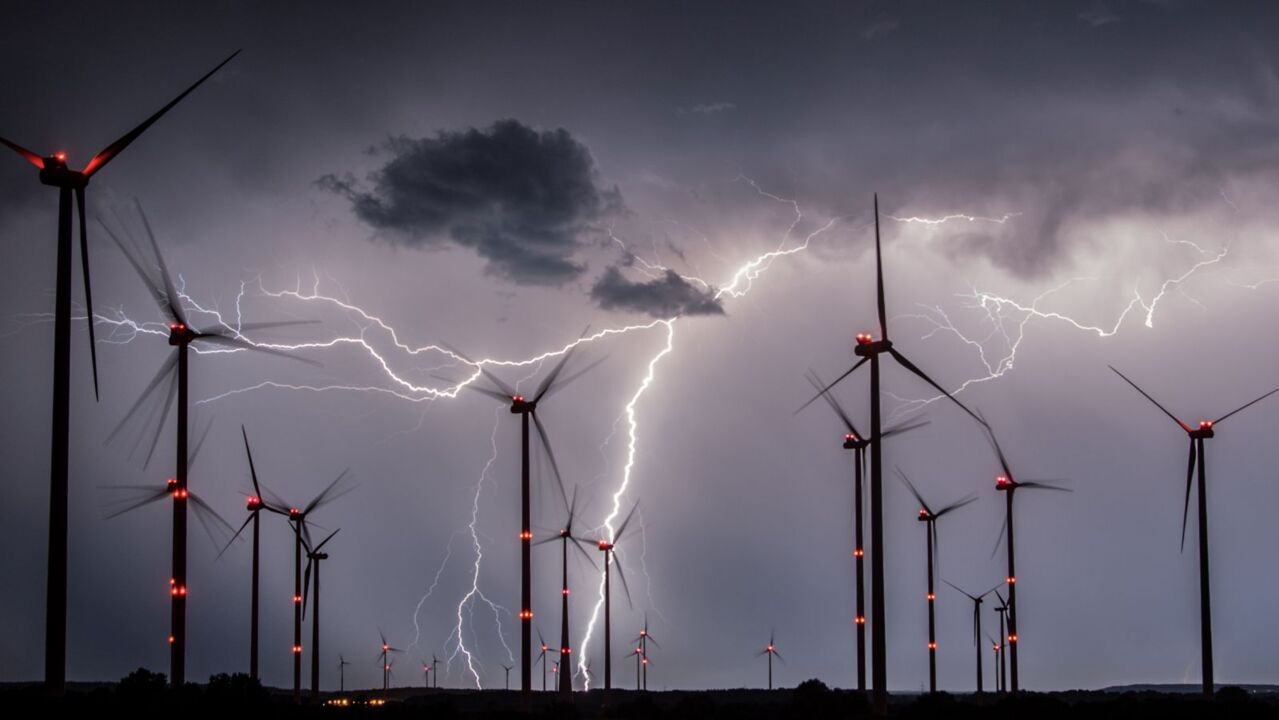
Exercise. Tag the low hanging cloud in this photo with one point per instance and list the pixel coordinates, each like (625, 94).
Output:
(666, 296)
(524, 200)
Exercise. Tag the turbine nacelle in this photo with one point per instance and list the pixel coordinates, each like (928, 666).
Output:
(1003, 482)
(54, 172)
(867, 345)
(924, 515)
(605, 546)
(1204, 431)
(253, 502)
(520, 406)
(295, 514)
(180, 334)
(852, 442)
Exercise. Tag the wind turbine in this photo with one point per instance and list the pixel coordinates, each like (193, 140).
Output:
(526, 409)
(255, 505)
(54, 172)
(435, 671)
(770, 650)
(869, 350)
(426, 675)
(1002, 611)
(207, 516)
(301, 537)
(1205, 431)
(507, 668)
(929, 517)
(639, 655)
(181, 336)
(541, 658)
(644, 639)
(386, 661)
(606, 547)
(998, 648)
(342, 663)
(1008, 484)
(857, 442)
(977, 633)
(567, 538)
(313, 557)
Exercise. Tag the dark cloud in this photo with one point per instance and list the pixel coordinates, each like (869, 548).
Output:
(523, 199)
(663, 297)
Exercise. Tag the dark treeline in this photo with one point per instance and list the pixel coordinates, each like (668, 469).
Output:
(144, 693)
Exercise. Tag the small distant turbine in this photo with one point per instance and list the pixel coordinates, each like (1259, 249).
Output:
(507, 668)
(770, 650)
(977, 633)
(606, 547)
(385, 655)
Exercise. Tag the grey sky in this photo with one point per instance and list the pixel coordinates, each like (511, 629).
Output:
(1118, 159)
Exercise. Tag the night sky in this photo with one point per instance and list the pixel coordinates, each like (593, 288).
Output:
(1098, 180)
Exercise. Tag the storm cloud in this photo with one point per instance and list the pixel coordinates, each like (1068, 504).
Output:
(524, 200)
(667, 296)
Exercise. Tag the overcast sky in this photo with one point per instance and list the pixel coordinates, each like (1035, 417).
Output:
(496, 176)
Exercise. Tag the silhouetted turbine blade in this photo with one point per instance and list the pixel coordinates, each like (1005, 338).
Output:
(253, 473)
(999, 451)
(236, 536)
(507, 389)
(170, 291)
(818, 385)
(1241, 407)
(550, 455)
(1003, 528)
(472, 386)
(243, 344)
(326, 539)
(327, 495)
(1145, 394)
(879, 278)
(910, 486)
(625, 587)
(901, 359)
(306, 582)
(826, 389)
(195, 451)
(903, 428)
(1042, 485)
(147, 500)
(157, 292)
(569, 380)
(622, 528)
(549, 380)
(88, 290)
(1185, 510)
(961, 590)
(210, 519)
(578, 543)
(109, 152)
(25, 153)
(968, 500)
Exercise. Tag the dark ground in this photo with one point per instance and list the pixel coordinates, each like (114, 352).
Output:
(144, 694)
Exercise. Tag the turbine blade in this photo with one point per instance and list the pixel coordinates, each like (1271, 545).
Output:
(170, 291)
(879, 278)
(109, 152)
(622, 528)
(274, 324)
(153, 287)
(1145, 394)
(818, 385)
(814, 398)
(1003, 528)
(88, 290)
(910, 486)
(147, 500)
(577, 543)
(550, 455)
(617, 564)
(965, 592)
(472, 386)
(549, 380)
(327, 494)
(242, 344)
(326, 539)
(195, 451)
(236, 536)
(497, 382)
(568, 380)
(1241, 407)
(253, 473)
(25, 153)
(999, 451)
(1190, 476)
(1042, 485)
(901, 359)
(968, 500)
(306, 583)
(210, 519)
(903, 428)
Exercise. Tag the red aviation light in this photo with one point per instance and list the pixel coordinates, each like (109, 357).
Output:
(770, 647)
(566, 651)
(864, 338)
(61, 156)
(517, 398)
(526, 614)
(644, 660)
(859, 552)
(850, 437)
(253, 502)
(1010, 580)
(1012, 638)
(297, 599)
(923, 513)
(860, 620)
(526, 535)
(545, 647)
(385, 647)
(1205, 424)
(294, 513)
(932, 646)
(1001, 480)
(931, 597)
(172, 640)
(643, 633)
(565, 592)
(180, 494)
